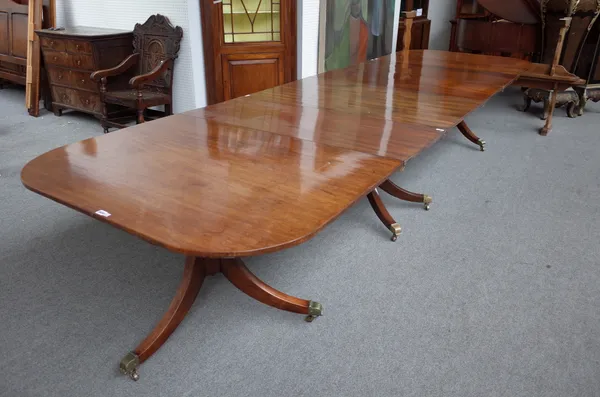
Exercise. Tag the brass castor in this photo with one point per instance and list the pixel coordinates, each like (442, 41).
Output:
(134, 375)
(129, 365)
(396, 230)
(481, 144)
(426, 202)
(315, 309)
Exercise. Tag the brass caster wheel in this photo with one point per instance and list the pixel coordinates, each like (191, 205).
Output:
(129, 365)
(426, 202)
(134, 375)
(396, 230)
(315, 309)
(481, 144)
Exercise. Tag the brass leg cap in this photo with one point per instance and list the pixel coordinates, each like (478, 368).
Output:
(426, 201)
(396, 229)
(481, 144)
(315, 309)
(129, 365)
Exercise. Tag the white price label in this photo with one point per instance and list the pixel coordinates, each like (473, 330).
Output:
(419, 12)
(103, 213)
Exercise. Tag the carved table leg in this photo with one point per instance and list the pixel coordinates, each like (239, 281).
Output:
(549, 111)
(196, 269)
(546, 107)
(383, 214)
(466, 131)
(582, 94)
(391, 188)
(527, 102)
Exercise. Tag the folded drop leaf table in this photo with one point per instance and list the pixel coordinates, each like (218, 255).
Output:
(266, 172)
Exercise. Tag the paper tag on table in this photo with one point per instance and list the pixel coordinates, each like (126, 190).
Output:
(103, 213)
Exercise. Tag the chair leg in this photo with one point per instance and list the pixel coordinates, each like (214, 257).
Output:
(169, 110)
(140, 116)
(104, 119)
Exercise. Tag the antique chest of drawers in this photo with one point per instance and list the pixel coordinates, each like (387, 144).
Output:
(72, 54)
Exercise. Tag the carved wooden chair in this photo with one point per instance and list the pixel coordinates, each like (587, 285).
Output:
(155, 47)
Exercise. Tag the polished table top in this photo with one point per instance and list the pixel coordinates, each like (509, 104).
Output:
(268, 171)
(426, 89)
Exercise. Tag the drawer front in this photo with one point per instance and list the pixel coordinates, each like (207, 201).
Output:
(79, 47)
(59, 76)
(71, 78)
(82, 100)
(81, 61)
(57, 58)
(53, 44)
(82, 80)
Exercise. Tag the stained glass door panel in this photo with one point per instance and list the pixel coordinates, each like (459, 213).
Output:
(251, 21)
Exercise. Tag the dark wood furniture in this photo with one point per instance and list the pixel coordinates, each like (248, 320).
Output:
(150, 67)
(70, 55)
(574, 51)
(421, 25)
(13, 39)
(249, 46)
(552, 79)
(589, 69)
(477, 30)
(251, 176)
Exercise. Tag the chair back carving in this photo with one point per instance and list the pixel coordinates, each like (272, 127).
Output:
(156, 40)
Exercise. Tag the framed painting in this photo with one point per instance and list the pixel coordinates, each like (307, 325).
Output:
(353, 31)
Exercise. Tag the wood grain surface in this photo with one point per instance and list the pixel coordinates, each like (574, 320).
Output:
(267, 171)
(208, 189)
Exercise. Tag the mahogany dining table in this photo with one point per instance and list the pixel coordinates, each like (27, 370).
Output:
(268, 171)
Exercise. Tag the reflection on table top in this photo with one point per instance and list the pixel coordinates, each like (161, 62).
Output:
(206, 189)
(268, 171)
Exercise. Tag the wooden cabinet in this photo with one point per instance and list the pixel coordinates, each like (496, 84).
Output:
(72, 54)
(477, 30)
(420, 27)
(249, 46)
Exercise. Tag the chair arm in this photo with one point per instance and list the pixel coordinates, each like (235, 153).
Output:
(117, 70)
(138, 81)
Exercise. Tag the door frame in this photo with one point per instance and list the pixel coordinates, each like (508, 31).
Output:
(215, 47)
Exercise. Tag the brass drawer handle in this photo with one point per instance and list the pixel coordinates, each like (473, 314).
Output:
(82, 81)
(52, 43)
(60, 76)
(55, 58)
(65, 97)
(78, 62)
(87, 101)
(77, 47)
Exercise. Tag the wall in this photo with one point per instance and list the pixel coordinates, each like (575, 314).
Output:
(308, 37)
(440, 14)
(189, 87)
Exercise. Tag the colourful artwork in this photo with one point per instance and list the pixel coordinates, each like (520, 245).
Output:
(352, 31)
